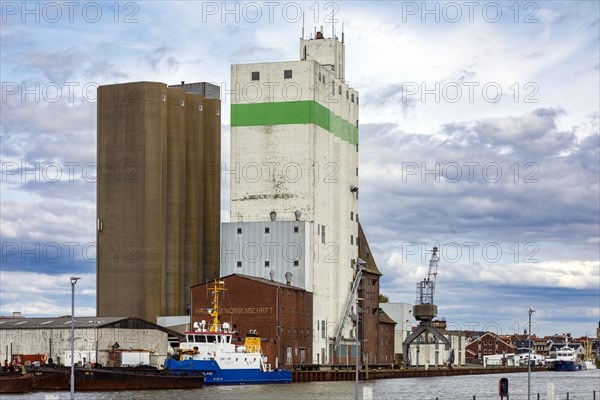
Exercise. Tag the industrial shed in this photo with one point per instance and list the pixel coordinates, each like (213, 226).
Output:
(131, 340)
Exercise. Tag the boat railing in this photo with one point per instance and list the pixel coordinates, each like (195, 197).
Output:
(203, 327)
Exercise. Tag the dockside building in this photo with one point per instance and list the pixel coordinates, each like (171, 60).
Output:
(294, 195)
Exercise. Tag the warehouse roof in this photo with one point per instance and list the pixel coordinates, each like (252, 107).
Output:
(64, 322)
(256, 279)
(364, 252)
(384, 318)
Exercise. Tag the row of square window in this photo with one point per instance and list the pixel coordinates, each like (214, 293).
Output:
(488, 352)
(268, 230)
(295, 311)
(200, 107)
(349, 96)
(295, 332)
(486, 342)
(321, 230)
(287, 74)
(268, 264)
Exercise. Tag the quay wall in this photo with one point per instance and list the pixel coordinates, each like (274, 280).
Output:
(349, 374)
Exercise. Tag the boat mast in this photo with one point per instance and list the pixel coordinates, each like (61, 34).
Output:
(219, 286)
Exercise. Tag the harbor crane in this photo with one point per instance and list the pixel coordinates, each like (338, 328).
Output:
(352, 298)
(425, 310)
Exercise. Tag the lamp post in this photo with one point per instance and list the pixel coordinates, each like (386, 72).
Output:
(357, 348)
(359, 266)
(531, 311)
(73, 282)
(96, 340)
(96, 323)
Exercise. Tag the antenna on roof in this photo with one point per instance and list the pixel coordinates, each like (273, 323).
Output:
(342, 32)
(302, 25)
(333, 24)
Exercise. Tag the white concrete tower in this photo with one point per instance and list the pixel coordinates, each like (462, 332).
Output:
(294, 146)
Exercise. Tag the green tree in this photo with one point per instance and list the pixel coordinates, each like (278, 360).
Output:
(383, 298)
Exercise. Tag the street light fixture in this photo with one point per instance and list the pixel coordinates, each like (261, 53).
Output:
(531, 311)
(74, 280)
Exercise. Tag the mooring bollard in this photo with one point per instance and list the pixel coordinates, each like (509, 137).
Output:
(594, 395)
(567, 395)
(538, 396)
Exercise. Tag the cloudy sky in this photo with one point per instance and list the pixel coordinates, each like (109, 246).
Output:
(479, 133)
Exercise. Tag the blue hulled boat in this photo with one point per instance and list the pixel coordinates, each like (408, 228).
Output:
(209, 351)
(566, 360)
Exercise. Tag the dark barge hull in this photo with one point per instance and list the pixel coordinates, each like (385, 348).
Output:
(59, 379)
(16, 383)
(99, 379)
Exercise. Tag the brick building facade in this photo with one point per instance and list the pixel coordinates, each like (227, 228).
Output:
(282, 315)
(488, 344)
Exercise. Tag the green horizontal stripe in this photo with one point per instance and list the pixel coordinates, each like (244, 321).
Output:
(293, 112)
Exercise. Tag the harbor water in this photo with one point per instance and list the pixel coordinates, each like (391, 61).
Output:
(578, 385)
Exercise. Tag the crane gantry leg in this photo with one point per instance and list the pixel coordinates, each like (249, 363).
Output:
(424, 326)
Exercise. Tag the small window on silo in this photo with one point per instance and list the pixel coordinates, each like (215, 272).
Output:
(239, 264)
(296, 229)
(287, 74)
(296, 263)
(239, 231)
(255, 76)
(267, 230)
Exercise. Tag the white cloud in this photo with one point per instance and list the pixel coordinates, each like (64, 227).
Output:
(35, 294)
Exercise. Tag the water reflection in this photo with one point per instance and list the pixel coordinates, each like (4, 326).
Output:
(580, 385)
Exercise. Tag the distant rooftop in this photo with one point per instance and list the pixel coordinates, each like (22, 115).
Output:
(207, 90)
(64, 322)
